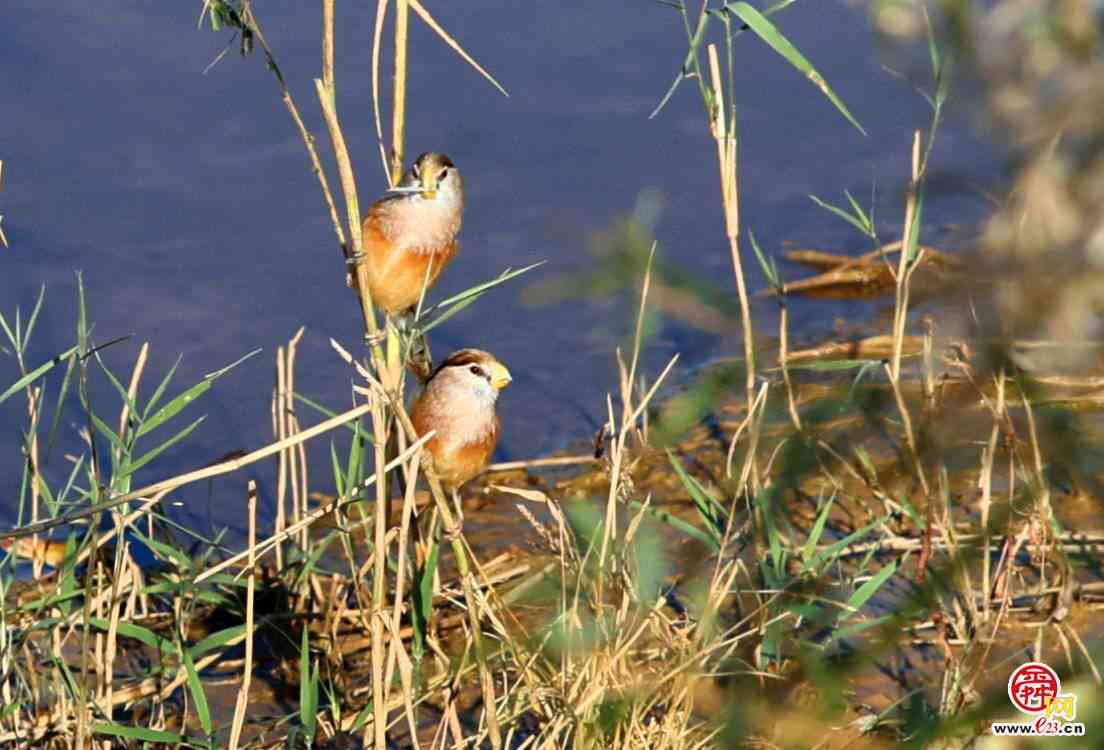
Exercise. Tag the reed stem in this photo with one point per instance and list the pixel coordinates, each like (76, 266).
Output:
(398, 107)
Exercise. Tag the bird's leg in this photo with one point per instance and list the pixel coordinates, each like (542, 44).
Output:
(458, 506)
(418, 358)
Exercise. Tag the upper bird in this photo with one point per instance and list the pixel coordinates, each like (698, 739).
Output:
(458, 401)
(410, 237)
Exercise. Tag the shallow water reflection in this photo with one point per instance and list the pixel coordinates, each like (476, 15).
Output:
(187, 201)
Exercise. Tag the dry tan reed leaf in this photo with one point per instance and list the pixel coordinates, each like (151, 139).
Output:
(862, 277)
(535, 496)
(432, 23)
(825, 260)
(872, 347)
(535, 463)
(377, 36)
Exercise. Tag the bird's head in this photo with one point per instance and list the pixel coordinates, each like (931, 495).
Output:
(434, 174)
(474, 370)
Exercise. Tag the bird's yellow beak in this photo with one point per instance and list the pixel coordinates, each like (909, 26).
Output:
(500, 376)
(429, 186)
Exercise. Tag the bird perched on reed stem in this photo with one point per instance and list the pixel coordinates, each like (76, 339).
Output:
(410, 235)
(458, 402)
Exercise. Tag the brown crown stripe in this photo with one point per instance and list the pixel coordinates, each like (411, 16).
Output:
(465, 357)
(444, 161)
(462, 358)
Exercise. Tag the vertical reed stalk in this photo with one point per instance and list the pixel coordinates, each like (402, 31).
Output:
(279, 429)
(34, 409)
(724, 133)
(398, 106)
(250, 588)
(905, 269)
(297, 454)
(379, 581)
(989, 457)
(929, 363)
(327, 98)
(904, 264)
(122, 553)
(10, 722)
(396, 651)
(783, 356)
(86, 651)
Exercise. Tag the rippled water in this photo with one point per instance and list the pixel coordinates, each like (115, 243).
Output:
(187, 202)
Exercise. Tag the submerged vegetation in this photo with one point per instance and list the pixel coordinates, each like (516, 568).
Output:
(853, 543)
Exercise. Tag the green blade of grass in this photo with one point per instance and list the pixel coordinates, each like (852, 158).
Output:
(35, 374)
(34, 315)
(677, 523)
(338, 473)
(130, 467)
(138, 633)
(328, 413)
(308, 566)
(422, 596)
(117, 384)
(863, 593)
(859, 627)
(817, 531)
(59, 403)
(166, 551)
(195, 687)
(858, 223)
(47, 494)
(141, 734)
(103, 428)
(161, 388)
(689, 63)
(180, 588)
(708, 507)
(832, 550)
(836, 365)
(770, 270)
(458, 302)
(861, 214)
(765, 501)
(217, 640)
(308, 689)
(774, 38)
(174, 407)
(355, 466)
(13, 336)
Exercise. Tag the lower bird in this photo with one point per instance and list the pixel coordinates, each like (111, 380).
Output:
(410, 236)
(458, 402)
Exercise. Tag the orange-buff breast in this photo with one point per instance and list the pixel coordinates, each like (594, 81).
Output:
(396, 276)
(455, 467)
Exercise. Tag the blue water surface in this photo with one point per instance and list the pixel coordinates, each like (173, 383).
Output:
(185, 198)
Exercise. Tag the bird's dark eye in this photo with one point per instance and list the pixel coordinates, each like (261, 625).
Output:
(442, 174)
(477, 370)
(415, 171)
